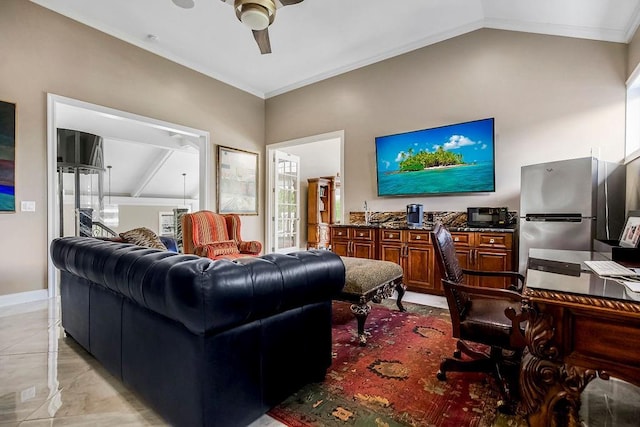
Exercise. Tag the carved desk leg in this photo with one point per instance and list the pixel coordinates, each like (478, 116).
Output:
(550, 389)
(361, 311)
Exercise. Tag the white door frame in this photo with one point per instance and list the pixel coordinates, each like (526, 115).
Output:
(270, 174)
(56, 101)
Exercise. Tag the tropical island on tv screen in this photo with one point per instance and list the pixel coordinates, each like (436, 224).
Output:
(456, 158)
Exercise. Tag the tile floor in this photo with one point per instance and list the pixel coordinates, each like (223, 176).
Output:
(47, 379)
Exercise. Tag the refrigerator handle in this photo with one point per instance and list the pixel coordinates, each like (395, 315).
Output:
(554, 217)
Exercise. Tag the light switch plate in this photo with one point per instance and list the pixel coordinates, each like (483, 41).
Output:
(28, 206)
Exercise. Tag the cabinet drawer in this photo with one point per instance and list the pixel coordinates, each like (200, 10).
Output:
(494, 240)
(415, 236)
(462, 239)
(362, 233)
(391, 235)
(339, 233)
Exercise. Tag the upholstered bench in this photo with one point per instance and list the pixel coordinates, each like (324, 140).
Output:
(370, 280)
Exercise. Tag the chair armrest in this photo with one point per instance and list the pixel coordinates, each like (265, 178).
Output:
(251, 247)
(512, 274)
(481, 291)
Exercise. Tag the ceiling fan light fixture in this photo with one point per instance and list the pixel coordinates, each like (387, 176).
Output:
(255, 17)
(255, 14)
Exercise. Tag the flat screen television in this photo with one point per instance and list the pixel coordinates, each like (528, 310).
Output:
(457, 158)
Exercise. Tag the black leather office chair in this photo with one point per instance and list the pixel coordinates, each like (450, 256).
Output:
(482, 315)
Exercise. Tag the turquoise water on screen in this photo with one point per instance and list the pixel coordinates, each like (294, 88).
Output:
(459, 179)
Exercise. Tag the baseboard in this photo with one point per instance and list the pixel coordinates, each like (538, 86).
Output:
(22, 297)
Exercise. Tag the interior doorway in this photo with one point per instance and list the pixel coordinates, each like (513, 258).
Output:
(286, 202)
(319, 155)
(167, 141)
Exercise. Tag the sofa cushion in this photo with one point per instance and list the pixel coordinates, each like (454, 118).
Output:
(143, 237)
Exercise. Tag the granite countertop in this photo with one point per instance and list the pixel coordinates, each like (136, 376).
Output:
(427, 227)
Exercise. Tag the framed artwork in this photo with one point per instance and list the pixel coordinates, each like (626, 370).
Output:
(237, 181)
(7, 157)
(631, 233)
(166, 224)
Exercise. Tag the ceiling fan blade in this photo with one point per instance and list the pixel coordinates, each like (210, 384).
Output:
(185, 4)
(262, 38)
(289, 2)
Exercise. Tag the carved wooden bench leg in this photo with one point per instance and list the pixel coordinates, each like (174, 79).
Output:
(366, 281)
(400, 289)
(361, 311)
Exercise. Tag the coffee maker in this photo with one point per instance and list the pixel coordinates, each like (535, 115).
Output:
(414, 215)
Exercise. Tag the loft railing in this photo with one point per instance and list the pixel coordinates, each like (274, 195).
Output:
(101, 230)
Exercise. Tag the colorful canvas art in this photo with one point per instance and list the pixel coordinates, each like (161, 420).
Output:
(7, 156)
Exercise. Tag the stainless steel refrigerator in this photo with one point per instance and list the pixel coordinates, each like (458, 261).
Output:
(567, 204)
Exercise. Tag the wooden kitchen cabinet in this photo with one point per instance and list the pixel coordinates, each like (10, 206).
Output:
(485, 251)
(359, 242)
(412, 250)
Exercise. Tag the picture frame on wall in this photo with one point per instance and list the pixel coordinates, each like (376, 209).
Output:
(167, 225)
(631, 233)
(237, 177)
(7, 156)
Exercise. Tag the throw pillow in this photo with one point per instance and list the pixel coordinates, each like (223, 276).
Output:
(143, 237)
(215, 249)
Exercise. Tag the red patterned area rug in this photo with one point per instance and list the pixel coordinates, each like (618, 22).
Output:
(392, 381)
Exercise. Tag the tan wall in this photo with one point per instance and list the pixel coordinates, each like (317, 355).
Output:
(552, 98)
(42, 52)
(633, 57)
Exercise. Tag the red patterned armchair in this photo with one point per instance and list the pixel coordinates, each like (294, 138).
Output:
(215, 236)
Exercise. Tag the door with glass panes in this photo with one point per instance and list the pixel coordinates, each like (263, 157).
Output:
(286, 218)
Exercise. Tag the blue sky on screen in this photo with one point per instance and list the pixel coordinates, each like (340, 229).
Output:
(474, 140)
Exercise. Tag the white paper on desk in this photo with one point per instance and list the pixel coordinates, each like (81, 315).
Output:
(632, 286)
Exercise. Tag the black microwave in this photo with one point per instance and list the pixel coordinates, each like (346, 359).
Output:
(487, 217)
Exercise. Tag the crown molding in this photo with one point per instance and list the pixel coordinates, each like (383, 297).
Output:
(617, 36)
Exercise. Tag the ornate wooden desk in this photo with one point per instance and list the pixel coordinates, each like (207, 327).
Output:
(580, 326)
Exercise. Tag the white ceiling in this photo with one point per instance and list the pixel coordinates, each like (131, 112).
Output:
(317, 39)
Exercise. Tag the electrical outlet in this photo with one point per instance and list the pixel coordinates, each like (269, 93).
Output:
(28, 206)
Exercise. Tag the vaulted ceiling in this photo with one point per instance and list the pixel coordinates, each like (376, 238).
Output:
(147, 162)
(316, 39)
(310, 41)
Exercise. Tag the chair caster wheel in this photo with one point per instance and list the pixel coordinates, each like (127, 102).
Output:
(441, 376)
(457, 354)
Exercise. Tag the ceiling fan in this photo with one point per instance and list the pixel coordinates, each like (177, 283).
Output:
(255, 14)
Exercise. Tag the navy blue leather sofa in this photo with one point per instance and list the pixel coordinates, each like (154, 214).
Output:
(206, 343)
